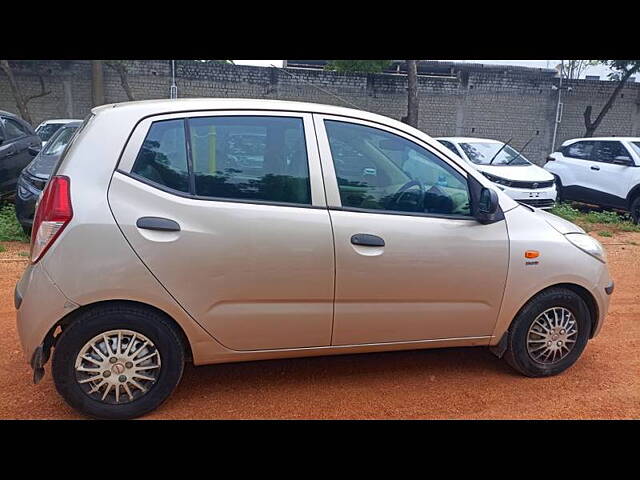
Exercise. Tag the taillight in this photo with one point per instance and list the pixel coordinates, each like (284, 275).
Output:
(52, 216)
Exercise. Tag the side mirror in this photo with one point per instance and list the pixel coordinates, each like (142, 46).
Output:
(488, 206)
(33, 151)
(622, 160)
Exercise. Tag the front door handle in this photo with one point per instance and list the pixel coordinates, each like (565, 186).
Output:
(158, 223)
(367, 240)
(594, 167)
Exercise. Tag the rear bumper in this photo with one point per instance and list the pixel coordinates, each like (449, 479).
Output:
(40, 304)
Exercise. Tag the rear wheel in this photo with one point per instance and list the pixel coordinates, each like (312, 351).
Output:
(549, 333)
(635, 210)
(559, 197)
(117, 361)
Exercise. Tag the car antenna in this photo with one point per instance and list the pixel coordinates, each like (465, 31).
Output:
(521, 150)
(501, 148)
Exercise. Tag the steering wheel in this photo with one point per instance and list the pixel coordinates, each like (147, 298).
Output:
(395, 199)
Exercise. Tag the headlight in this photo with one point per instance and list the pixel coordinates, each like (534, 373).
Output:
(588, 245)
(498, 180)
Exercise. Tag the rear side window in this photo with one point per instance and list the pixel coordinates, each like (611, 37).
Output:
(250, 158)
(13, 129)
(581, 150)
(607, 152)
(163, 156)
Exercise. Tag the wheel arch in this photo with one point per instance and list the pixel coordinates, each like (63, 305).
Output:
(54, 332)
(633, 194)
(499, 348)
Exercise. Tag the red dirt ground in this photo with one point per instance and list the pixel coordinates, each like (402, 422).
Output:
(428, 384)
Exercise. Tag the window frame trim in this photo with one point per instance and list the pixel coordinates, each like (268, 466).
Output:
(332, 189)
(141, 129)
(13, 139)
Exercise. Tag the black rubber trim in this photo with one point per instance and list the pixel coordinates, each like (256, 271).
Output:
(17, 298)
(367, 240)
(609, 288)
(158, 223)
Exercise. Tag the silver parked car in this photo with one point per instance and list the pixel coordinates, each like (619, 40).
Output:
(224, 230)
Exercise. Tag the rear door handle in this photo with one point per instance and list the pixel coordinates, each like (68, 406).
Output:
(367, 240)
(158, 223)
(594, 167)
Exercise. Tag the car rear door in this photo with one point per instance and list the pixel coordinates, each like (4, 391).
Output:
(227, 210)
(412, 264)
(575, 170)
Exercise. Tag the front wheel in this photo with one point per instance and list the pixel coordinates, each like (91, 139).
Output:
(549, 333)
(117, 361)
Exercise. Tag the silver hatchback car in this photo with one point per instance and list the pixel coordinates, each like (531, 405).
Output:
(225, 230)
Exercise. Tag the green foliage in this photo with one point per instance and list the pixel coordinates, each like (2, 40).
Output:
(10, 229)
(605, 233)
(566, 211)
(2, 249)
(620, 67)
(620, 222)
(358, 66)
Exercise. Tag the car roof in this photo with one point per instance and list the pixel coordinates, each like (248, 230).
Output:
(146, 108)
(601, 139)
(467, 139)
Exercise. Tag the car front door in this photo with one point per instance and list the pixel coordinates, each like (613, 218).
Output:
(412, 264)
(576, 172)
(611, 177)
(14, 152)
(227, 209)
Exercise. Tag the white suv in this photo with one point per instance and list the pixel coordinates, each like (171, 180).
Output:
(601, 171)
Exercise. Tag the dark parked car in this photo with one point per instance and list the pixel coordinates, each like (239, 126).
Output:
(34, 177)
(18, 145)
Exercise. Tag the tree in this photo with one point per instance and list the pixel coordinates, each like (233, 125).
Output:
(121, 69)
(412, 93)
(22, 101)
(358, 66)
(622, 71)
(574, 68)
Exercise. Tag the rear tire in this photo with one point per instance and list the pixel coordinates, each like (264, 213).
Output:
(527, 349)
(76, 352)
(559, 197)
(635, 210)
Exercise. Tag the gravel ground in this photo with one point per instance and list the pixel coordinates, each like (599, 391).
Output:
(457, 383)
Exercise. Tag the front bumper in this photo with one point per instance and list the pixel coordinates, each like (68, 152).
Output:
(540, 198)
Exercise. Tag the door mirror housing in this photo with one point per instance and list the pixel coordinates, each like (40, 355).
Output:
(485, 203)
(622, 160)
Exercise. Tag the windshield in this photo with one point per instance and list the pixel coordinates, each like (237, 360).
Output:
(482, 153)
(636, 147)
(45, 132)
(56, 146)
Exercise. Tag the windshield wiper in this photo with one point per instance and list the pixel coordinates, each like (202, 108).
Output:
(520, 152)
(501, 148)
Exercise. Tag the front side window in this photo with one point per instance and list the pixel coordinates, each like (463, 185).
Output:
(580, 150)
(163, 156)
(57, 145)
(378, 170)
(250, 157)
(636, 147)
(493, 153)
(607, 152)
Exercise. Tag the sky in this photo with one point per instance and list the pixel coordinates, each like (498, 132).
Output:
(600, 70)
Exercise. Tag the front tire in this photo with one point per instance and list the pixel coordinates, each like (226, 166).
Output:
(549, 333)
(117, 361)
